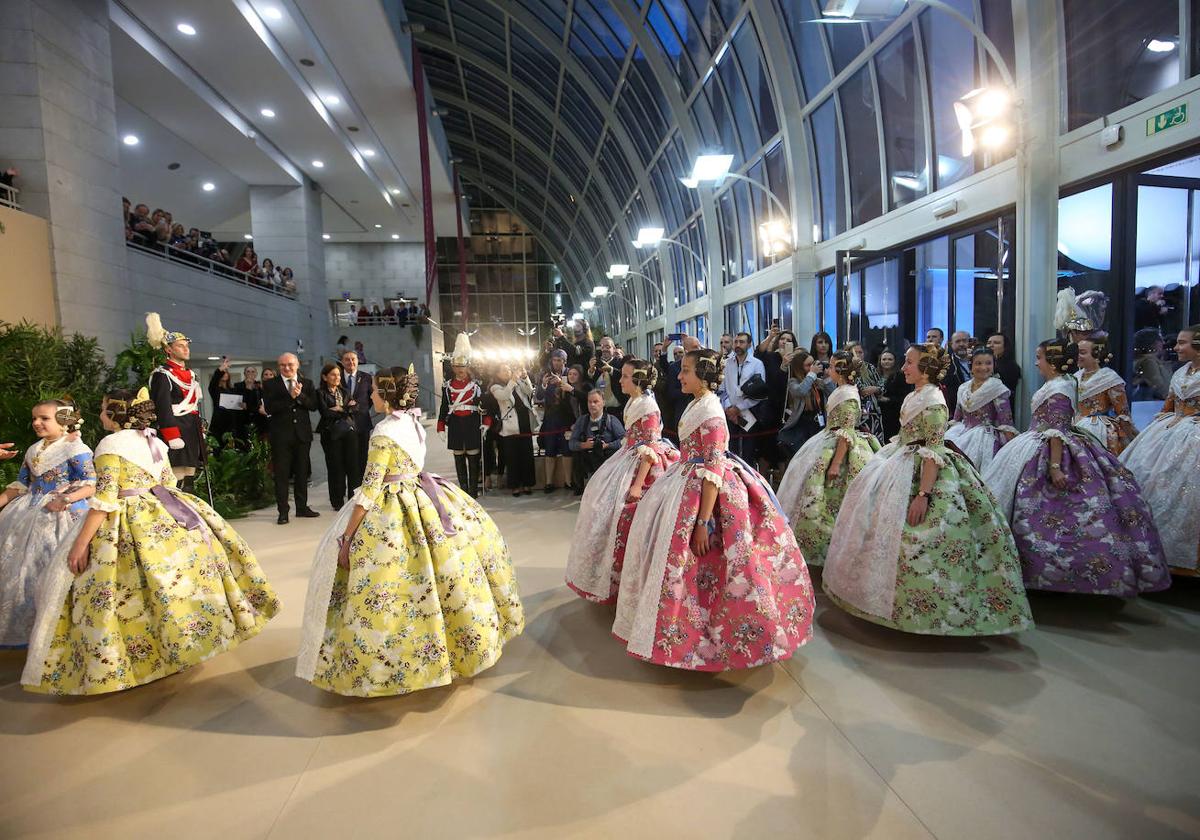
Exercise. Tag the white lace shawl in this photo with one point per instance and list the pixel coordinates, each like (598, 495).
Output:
(925, 397)
(136, 448)
(406, 432)
(63, 449)
(1185, 387)
(1064, 385)
(590, 562)
(639, 407)
(989, 391)
(840, 394)
(1102, 380)
(699, 411)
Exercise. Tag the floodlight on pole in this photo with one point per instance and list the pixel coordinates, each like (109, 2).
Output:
(648, 236)
(599, 291)
(617, 271)
(588, 304)
(776, 238)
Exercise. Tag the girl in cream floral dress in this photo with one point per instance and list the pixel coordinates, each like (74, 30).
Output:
(818, 475)
(412, 586)
(150, 582)
(919, 544)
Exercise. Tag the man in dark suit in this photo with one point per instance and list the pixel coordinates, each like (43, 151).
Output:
(289, 398)
(960, 368)
(357, 386)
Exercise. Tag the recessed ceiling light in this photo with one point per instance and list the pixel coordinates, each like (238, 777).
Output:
(395, 191)
(208, 186)
(1158, 46)
(326, 236)
(378, 226)
(318, 164)
(272, 13)
(186, 28)
(247, 236)
(333, 99)
(395, 236)
(268, 113)
(368, 153)
(130, 140)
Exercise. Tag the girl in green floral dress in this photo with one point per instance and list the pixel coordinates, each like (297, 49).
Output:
(817, 478)
(150, 582)
(412, 586)
(920, 544)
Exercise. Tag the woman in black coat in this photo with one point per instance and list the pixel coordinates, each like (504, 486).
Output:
(339, 440)
(895, 389)
(225, 421)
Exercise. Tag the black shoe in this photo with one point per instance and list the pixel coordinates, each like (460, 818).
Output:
(549, 489)
(282, 520)
(307, 513)
(578, 491)
(336, 508)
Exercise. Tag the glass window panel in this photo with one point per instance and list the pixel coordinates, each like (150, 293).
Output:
(846, 41)
(777, 177)
(931, 268)
(761, 210)
(691, 30)
(603, 69)
(549, 12)
(976, 270)
(1111, 54)
(903, 120)
(862, 145)
(828, 292)
(742, 111)
(785, 309)
(766, 311)
(746, 227)
(714, 93)
(827, 146)
(808, 44)
(731, 258)
(950, 58)
(749, 55)
(702, 330)
(998, 26)
(881, 305)
(673, 50)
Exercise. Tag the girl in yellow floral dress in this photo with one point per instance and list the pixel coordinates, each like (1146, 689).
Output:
(412, 586)
(150, 582)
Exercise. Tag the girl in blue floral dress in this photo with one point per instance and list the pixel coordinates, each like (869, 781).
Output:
(38, 509)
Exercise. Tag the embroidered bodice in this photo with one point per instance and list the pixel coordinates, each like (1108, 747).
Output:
(995, 413)
(115, 473)
(845, 415)
(1056, 412)
(1105, 402)
(53, 468)
(644, 430)
(928, 428)
(1184, 396)
(386, 459)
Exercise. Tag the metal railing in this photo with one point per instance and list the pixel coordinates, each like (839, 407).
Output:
(217, 269)
(8, 197)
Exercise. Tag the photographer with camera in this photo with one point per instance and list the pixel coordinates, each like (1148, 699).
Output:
(558, 415)
(595, 436)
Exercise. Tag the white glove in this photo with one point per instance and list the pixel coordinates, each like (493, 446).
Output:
(176, 444)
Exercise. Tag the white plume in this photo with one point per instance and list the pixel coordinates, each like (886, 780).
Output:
(155, 334)
(1064, 309)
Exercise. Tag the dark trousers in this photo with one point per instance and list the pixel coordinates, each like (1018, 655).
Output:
(290, 461)
(362, 443)
(584, 464)
(744, 447)
(518, 461)
(341, 462)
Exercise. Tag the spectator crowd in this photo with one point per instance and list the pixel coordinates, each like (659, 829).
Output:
(158, 230)
(403, 314)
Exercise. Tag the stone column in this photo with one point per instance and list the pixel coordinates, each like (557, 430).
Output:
(286, 225)
(58, 127)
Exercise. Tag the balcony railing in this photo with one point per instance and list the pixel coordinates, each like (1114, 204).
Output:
(8, 197)
(217, 269)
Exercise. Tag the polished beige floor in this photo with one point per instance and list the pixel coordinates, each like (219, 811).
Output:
(1088, 727)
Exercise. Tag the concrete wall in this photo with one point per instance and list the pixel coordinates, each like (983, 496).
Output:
(373, 272)
(26, 278)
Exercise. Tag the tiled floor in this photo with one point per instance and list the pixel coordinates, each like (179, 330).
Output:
(1087, 727)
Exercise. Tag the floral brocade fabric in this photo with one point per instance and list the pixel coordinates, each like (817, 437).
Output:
(812, 506)
(156, 597)
(1096, 536)
(957, 573)
(1108, 412)
(418, 607)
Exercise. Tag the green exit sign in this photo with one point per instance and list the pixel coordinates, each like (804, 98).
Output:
(1167, 119)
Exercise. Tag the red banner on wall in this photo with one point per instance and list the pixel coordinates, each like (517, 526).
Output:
(426, 186)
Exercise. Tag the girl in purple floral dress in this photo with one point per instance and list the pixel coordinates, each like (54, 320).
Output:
(983, 417)
(1077, 514)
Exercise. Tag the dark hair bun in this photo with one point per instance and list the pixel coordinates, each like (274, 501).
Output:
(645, 375)
(708, 367)
(127, 414)
(933, 362)
(1062, 355)
(846, 365)
(397, 387)
(1194, 329)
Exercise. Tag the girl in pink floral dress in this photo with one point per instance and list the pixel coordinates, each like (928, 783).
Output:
(612, 495)
(713, 578)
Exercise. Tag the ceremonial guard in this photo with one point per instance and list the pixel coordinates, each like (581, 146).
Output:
(462, 418)
(176, 394)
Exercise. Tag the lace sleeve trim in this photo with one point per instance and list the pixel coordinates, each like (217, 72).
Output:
(19, 487)
(105, 507)
(926, 452)
(711, 477)
(1055, 433)
(1012, 430)
(646, 453)
(845, 434)
(362, 500)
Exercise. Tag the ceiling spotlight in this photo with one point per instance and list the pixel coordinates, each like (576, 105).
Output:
(208, 186)
(247, 236)
(268, 113)
(130, 140)
(326, 236)
(395, 236)
(318, 164)
(333, 99)
(378, 226)
(1158, 46)
(368, 153)
(273, 13)
(186, 28)
(395, 191)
